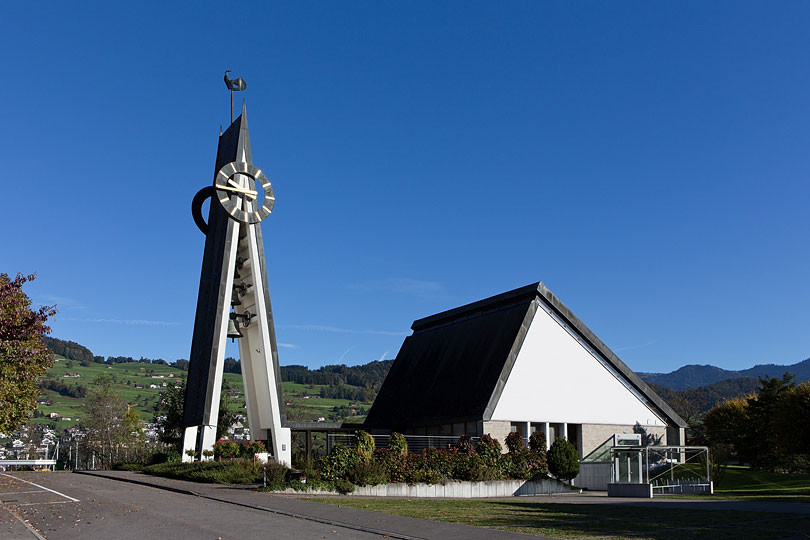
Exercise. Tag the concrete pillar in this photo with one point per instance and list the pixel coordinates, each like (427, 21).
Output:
(564, 431)
(546, 433)
(528, 432)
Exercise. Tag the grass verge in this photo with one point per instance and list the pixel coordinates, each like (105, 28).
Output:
(582, 520)
(237, 471)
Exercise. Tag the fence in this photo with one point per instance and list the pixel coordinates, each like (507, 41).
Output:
(665, 469)
(416, 443)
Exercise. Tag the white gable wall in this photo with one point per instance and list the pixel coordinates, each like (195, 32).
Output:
(558, 378)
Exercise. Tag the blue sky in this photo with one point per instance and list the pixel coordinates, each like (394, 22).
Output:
(647, 161)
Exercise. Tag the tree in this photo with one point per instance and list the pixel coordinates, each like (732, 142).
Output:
(169, 412)
(766, 447)
(563, 461)
(23, 355)
(103, 423)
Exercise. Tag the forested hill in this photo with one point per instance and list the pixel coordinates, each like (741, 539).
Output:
(695, 401)
(369, 375)
(69, 349)
(695, 376)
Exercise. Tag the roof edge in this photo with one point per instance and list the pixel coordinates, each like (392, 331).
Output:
(509, 297)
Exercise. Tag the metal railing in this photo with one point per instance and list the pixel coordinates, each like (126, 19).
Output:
(416, 443)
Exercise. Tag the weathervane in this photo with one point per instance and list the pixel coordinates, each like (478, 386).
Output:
(234, 85)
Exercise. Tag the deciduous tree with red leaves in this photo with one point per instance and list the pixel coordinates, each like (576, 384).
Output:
(23, 355)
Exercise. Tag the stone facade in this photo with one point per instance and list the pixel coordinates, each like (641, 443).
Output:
(497, 429)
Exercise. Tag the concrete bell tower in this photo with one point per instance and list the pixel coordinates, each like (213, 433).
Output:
(234, 301)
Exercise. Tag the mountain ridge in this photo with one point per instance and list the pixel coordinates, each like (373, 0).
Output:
(693, 376)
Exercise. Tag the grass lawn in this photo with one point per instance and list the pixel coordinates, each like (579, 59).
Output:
(741, 483)
(581, 520)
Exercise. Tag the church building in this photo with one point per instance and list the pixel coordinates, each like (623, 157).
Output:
(519, 361)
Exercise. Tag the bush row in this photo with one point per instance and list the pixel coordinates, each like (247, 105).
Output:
(365, 465)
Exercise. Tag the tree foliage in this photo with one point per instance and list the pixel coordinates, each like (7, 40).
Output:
(563, 460)
(104, 423)
(169, 412)
(769, 429)
(23, 355)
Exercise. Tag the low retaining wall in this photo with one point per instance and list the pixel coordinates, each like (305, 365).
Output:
(457, 490)
(466, 490)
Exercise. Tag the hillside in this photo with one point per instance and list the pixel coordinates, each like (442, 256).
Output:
(330, 393)
(695, 376)
(691, 402)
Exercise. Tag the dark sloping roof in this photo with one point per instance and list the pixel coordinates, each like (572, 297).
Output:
(455, 365)
(447, 371)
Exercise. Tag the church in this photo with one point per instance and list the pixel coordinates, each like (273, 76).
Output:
(518, 361)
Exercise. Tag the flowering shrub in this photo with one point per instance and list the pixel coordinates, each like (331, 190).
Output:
(465, 445)
(537, 441)
(489, 450)
(432, 466)
(514, 443)
(251, 448)
(225, 449)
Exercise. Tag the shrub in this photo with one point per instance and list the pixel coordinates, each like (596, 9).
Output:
(465, 445)
(489, 450)
(418, 469)
(339, 460)
(225, 449)
(537, 441)
(364, 445)
(164, 457)
(514, 443)
(563, 461)
(397, 444)
(128, 467)
(392, 462)
(250, 448)
(537, 464)
(275, 472)
(344, 486)
(366, 473)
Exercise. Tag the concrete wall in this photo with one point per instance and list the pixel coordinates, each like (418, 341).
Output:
(593, 476)
(462, 490)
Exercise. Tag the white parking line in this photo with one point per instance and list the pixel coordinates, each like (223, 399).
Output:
(41, 487)
(27, 525)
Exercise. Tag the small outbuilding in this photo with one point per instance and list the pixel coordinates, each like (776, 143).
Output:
(519, 361)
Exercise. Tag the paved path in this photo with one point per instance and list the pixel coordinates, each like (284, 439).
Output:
(125, 505)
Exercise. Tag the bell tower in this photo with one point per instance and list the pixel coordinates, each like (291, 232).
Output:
(234, 301)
